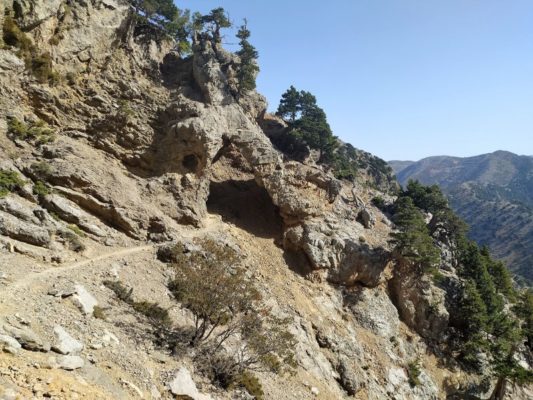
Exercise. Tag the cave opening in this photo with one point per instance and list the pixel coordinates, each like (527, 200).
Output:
(247, 205)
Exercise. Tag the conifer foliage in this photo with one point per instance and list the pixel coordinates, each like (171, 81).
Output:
(492, 319)
(248, 67)
(308, 122)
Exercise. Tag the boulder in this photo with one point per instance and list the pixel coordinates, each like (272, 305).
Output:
(27, 338)
(366, 217)
(23, 231)
(183, 385)
(334, 247)
(70, 363)
(65, 343)
(84, 300)
(9, 345)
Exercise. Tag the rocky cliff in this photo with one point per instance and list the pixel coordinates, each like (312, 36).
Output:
(126, 148)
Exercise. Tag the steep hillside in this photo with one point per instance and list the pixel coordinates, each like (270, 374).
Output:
(493, 193)
(155, 244)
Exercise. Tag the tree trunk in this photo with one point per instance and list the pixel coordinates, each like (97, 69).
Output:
(499, 390)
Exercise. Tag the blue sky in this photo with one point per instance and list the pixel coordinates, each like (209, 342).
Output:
(403, 79)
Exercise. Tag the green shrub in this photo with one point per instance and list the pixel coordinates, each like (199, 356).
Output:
(437, 276)
(40, 189)
(41, 67)
(210, 285)
(39, 64)
(121, 291)
(73, 240)
(413, 370)
(13, 36)
(99, 313)
(378, 202)
(41, 169)
(124, 110)
(76, 229)
(251, 384)
(155, 313)
(9, 181)
(37, 132)
(72, 78)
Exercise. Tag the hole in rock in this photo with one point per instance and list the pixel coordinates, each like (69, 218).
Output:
(247, 205)
(190, 162)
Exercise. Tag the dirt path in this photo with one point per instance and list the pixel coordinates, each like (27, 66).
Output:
(26, 280)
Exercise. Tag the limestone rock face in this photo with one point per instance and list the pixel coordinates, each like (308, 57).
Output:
(28, 339)
(420, 303)
(23, 231)
(333, 247)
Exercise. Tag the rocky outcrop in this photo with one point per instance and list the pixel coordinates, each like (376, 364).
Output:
(23, 231)
(420, 303)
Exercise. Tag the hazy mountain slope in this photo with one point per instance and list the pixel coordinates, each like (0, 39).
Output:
(493, 193)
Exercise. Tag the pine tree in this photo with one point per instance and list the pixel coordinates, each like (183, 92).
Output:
(248, 67)
(164, 16)
(215, 21)
(413, 241)
(473, 318)
(290, 104)
(314, 129)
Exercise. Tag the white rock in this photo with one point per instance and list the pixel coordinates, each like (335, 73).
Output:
(154, 392)
(70, 363)
(84, 300)
(9, 394)
(183, 385)
(66, 344)
(315, 391)
(110, 338)
(9, 344)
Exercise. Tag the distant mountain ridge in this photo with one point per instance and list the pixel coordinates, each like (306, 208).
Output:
(493, 193)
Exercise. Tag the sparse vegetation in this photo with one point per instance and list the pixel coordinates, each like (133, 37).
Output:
(73, 240)
(37, 132)
(41, 169)
(156, 314)
(39, 64)
(99, 313)
(226, 307)
(124, 111)
(413, 371)
(41, 189)
(252, 385)
(76, 229)
(9, 182)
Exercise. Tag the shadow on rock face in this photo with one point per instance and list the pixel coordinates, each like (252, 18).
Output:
(247, 205)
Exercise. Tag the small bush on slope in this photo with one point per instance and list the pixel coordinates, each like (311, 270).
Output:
(9, 181)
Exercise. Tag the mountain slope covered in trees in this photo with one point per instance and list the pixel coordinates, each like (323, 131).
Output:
(493, 193)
